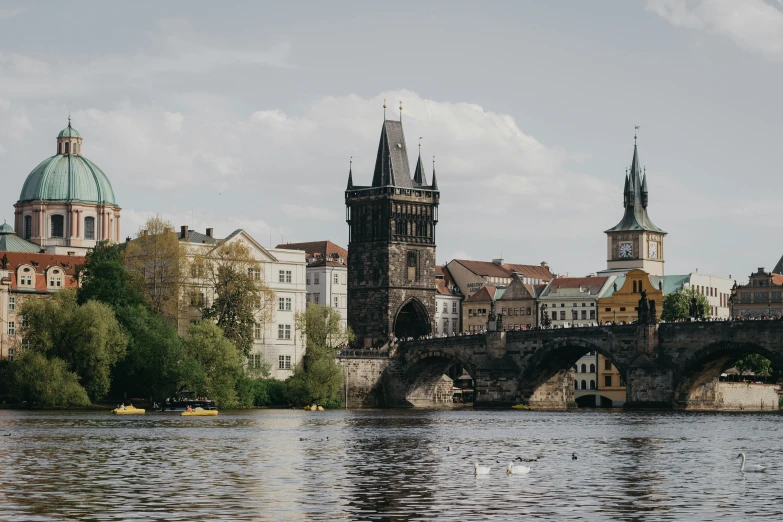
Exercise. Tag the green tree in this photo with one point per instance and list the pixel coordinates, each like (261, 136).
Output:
(677, 305)
(46, 382)
(87, 337)
(753, 362)
(241, 299)
(217, 364)
(319, 378)
(104, 278)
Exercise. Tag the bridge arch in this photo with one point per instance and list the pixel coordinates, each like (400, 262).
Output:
(707, 363)
(545, 372)
(412, 320)
(424, 372)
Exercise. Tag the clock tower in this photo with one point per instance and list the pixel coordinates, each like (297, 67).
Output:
(635, 242)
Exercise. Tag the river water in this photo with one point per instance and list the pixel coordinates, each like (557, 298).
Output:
(251, 465)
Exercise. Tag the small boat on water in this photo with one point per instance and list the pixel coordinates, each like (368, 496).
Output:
(128, 410)
(186, 399)
(199, 412)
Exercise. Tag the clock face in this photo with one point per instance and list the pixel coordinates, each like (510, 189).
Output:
(626, 250)
(653, 250)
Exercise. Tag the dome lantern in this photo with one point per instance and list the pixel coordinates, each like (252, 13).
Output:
(69, 141)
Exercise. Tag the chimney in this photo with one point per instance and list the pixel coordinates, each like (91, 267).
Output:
(209, 232)
(184, 231)
(498, 261)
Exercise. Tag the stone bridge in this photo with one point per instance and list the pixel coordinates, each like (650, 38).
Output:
(664, 366)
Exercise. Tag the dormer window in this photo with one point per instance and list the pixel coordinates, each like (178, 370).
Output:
(55, 279)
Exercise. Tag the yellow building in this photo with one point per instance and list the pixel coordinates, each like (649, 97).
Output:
(621, 300)
(610, 383)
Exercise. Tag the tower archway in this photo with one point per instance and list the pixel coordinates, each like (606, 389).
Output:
(411, 320)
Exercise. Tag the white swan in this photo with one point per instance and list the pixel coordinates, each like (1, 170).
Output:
(481, 470)
(755, 469)
(513, 469)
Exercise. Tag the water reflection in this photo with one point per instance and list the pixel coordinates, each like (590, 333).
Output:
(376, 465)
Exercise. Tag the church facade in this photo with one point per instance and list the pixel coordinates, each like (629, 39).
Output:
(391, 246)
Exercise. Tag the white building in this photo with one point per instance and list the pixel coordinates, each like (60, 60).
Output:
(716, 289)
(448, 305)
(586, 377)
(573, 301)
(283, 270)
(327, 274)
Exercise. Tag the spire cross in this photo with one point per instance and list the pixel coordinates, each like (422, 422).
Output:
(433, 164)
(350, 163)
(420, 145)
(384, 108)
(635, 128)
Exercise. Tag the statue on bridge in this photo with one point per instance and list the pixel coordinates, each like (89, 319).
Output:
(646, 310)
(696, 310)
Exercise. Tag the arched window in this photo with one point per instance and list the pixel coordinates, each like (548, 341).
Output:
(640, 286)
(89, 228)
(592, 385)
(584, 385)
(58, 226)
(55, 279)
(592, 368)
(584, 368)
(28, 227)
(576, 385)
(67, 145)
(634, 287)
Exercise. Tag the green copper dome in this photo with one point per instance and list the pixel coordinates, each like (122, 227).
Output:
(69, 132)
(67, 177)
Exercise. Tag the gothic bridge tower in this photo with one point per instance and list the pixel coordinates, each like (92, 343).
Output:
(391, 245)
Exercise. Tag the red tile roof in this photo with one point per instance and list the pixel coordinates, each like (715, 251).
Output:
(487, 293)
(593, 284)
(444, 282)
(777, 279)
(41, 263)
(490, 269)
(322, 252)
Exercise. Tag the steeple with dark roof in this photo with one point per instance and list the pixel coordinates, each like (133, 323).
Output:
(635, 200)
(419, 177)
(391, 163)
(350, 175)
(434, 179)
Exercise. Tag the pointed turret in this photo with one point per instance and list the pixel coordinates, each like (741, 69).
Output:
(350, 177)
(419, 177)
(635, 199)
(434, 179)
(391, 163)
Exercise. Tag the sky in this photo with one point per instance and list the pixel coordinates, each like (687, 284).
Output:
(246, 115)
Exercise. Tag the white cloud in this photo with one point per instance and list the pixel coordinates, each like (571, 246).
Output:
(173, 121)
(755, 25)
(304, 212)
(6, 14)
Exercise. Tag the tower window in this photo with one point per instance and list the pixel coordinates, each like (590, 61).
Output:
(67, 148)
(57, 226)
(89, 228)
(28, 227)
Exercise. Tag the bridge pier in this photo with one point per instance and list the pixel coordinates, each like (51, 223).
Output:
(649, 386)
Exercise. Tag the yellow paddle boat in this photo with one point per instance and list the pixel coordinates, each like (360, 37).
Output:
(200, 412)
(520, 407)
(128, 410)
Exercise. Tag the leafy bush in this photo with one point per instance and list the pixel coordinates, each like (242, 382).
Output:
(47, 382)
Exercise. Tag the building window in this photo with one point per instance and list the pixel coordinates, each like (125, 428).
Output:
(256, 331)
(584, 314)
(445, 326)
(317, 298)
(284, 276)
(454, 307)
(584, 368)
(254, 361)
(607, 364)
(584, 385)
(28, 227)
(576, 385)
(284, 304)
(58, 223)
(336, 301)
(307, 280)
(284, 362)
(308, 297)
(11, 328)
(608, 381)
(592, 314)
(254, 273)
(11, 354)
(12, 303)
(562, 315)
(592, 385)
(445, 308)
(336, 279)
(453, 326)
(284, 331)
(55, 279)
(89, 228)
(592, 368)
(316, 279)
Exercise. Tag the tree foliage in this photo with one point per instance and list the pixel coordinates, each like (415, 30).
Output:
(241, 298)
(216, 364)
(46, 382)
(319, 379)
(758, 364)
(157, 258)
(677, 305)
(87, 338)
(104, 278)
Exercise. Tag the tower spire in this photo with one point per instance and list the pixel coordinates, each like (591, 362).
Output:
(350, 174)
(419, 177)
(434, 180)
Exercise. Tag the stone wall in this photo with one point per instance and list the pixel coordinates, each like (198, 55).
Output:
(734, 396)
(363, 379)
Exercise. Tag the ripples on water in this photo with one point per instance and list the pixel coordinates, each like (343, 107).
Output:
(251, 466)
